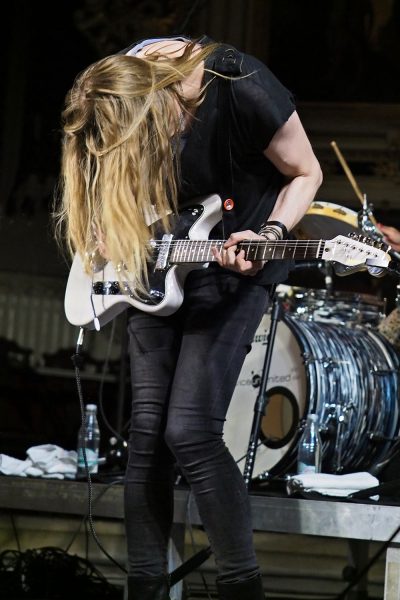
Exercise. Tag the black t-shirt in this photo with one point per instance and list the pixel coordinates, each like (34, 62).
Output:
(260, 105)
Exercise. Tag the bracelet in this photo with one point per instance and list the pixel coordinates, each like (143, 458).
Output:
(271, 233)
(272, 226)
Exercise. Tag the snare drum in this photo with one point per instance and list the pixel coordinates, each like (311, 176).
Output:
(348, 377)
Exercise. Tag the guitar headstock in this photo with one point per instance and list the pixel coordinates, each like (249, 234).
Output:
(356, 251)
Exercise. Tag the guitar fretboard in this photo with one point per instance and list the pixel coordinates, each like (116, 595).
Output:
(199, 251)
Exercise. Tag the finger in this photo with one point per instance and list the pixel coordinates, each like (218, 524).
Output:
(237, 237)
(230, 257)
(242, 265)
(217, 255)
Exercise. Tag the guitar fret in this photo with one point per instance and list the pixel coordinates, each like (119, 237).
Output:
(256, 250)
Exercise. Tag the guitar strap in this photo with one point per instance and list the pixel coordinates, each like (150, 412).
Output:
(228, 62)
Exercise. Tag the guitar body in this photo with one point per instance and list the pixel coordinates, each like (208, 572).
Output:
(83, 307)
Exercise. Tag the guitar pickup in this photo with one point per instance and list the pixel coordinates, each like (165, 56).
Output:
(163, 252)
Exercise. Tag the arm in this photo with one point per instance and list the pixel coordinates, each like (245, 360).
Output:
(391, 235)
(291, 153)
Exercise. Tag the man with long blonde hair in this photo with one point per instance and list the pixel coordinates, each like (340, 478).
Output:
(143, 134)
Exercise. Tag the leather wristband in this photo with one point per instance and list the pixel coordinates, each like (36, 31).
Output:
(273, 234)
(272, 225)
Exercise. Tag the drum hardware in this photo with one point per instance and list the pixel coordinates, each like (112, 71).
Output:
(380, 372)
(367, 223)
(366, 219)
(378, 437)
(327, 363)
(328, 430)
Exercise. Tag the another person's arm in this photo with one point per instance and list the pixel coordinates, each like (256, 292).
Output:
(391, 236)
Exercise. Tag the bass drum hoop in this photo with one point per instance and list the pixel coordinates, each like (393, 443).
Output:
(311, 377)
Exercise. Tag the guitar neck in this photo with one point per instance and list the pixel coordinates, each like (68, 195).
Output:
(200, 251)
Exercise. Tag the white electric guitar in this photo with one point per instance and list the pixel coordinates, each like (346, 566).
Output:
(92, 300)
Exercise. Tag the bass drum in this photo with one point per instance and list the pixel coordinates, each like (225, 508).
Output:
(349, 377)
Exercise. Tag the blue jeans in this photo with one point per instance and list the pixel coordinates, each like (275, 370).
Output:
(184, 370)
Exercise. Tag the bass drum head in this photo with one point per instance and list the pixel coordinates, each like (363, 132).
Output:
(287, 401)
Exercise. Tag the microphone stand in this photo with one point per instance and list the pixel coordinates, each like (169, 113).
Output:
(259, 410)
(262, 398)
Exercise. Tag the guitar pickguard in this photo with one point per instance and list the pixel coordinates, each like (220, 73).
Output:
(180, 229)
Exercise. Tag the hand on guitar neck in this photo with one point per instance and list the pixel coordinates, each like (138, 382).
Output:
(230, 258)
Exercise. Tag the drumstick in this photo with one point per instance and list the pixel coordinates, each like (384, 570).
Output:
(350, 177)
(348, 172)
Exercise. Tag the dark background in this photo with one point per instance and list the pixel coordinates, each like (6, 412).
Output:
(331, 51)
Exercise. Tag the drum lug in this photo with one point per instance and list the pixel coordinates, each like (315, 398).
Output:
(381, 372)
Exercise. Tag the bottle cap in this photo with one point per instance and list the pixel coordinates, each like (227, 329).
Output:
(313, 417)
(92, 407)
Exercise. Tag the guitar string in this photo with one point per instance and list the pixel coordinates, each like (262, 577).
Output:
(177, 242)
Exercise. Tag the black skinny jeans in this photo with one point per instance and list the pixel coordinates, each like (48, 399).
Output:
(184, 370)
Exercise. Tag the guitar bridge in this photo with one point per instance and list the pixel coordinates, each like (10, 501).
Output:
(163, 252)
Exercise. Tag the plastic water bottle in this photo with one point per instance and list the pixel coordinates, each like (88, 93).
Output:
(89, 438)
(310, 447)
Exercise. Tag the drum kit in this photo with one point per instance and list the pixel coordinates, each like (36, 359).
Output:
(334, 354)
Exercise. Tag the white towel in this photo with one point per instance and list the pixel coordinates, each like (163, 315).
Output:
(47, 460)
(14, 466)
(332, 485)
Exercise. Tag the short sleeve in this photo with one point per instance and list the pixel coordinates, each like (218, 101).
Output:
(261, 104)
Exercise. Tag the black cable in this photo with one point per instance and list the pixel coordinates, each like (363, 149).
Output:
(84, 518)
(101, 386)
(86, 540)
(77, 361)
(194, 546)
(15, 531)
(50, 572)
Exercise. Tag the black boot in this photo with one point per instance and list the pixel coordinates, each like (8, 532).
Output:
(248, 589)
(148, 588)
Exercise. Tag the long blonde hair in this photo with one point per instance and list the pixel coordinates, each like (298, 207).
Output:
(118, 158)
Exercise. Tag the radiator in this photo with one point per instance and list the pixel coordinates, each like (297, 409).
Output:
(32, 316)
